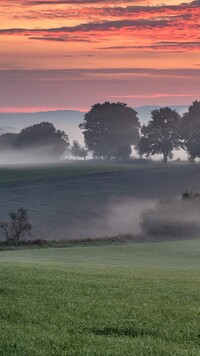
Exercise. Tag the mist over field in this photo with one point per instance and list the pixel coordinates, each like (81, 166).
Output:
(124, 216)
(27, 157)
(62, 205)
(107, 195)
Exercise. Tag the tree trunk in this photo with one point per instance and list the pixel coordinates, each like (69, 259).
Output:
(191, 159)
(165, 156)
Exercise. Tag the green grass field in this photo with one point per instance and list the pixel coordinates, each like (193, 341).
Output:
(65, 169)
(137, 299)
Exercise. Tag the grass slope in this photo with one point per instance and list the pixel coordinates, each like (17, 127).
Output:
(65, 169)
(173, 254)
(78, 200)
(140, 299)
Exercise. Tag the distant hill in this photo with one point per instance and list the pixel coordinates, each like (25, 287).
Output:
(67, 120)
(144, 112)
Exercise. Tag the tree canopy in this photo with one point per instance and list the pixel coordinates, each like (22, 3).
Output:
(110, 129)
(191, 130)
(43, 137)
(162, 134)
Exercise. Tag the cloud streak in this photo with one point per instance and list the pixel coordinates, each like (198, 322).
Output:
(92, 73)
(168, 46)
(63, 34)
(152, 96)
(128, 23)
(91, 26)
(108, 10)
(72, 2)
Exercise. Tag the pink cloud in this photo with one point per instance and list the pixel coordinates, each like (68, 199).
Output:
(152, 96)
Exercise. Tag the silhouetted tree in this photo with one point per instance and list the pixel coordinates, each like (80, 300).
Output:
(110, 129)
(18, 225)
(162, 134)
(78, 151)
(43, 137)
(191, 130)
(75, 149)
(83, 153)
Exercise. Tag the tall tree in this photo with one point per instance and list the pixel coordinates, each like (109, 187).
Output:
(162, 134)
(45, 138)
(191, 130)
(110, 129)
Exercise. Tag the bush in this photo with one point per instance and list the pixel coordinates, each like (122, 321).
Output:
(18, 225)
(173, 218)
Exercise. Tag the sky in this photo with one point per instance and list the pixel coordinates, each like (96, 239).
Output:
(71, 54)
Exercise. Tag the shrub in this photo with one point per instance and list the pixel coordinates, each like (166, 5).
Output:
(18, 225)
(173, 218)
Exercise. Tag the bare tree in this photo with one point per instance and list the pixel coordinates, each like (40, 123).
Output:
(18, 225)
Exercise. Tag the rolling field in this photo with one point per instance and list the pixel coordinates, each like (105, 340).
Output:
(64, 169)
(137, 299)
(81, 200)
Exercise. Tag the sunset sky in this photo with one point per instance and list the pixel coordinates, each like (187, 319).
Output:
(70, 54)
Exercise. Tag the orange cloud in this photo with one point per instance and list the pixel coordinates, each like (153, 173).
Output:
(103, 43)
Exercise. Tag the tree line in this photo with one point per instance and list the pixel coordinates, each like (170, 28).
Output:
(111, 130)
(44, 139)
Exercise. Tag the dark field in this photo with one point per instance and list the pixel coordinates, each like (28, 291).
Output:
(79, 200)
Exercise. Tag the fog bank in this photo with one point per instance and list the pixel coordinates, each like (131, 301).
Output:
(28, 156)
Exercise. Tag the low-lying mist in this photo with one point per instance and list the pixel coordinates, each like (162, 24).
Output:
(173, 218)
(146, 219)
(119, 217)
(124, 217)
(152, 219)
(98, 205)
(28, 156)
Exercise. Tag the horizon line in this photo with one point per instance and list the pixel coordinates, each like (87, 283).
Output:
(81, 110)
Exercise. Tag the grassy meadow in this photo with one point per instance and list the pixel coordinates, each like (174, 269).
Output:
(134, 299)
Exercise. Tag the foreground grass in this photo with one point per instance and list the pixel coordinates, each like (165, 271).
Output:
(108, 300)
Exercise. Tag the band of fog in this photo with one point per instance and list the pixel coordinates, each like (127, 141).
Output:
(125, 216)
(28, 156)
(121, 216)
